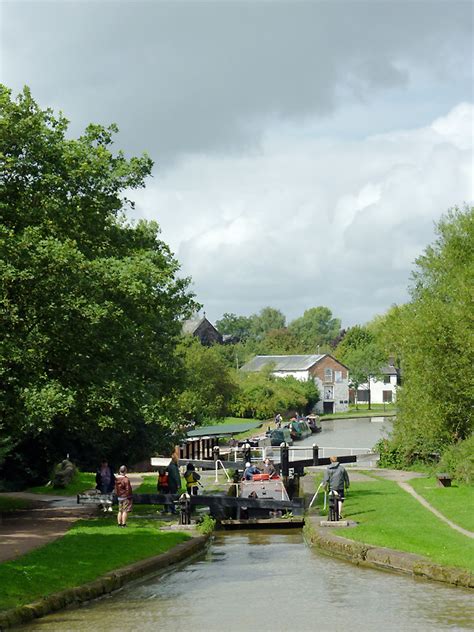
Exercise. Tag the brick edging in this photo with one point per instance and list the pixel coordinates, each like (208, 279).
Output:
(381, 557)
(105, 584)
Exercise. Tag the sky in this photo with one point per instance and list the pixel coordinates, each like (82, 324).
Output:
(303, 150)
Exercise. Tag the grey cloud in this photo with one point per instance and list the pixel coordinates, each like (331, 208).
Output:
(188, 77)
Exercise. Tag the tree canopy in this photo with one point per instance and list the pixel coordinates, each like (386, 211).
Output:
(433, 335)
(90, 305)
(316, 327)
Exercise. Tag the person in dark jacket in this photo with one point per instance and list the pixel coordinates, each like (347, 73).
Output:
(336, 478)
(105, 483)
(249, 471)
(105, 478)
(174, 483)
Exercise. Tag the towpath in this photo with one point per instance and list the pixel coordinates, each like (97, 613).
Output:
(49, 518)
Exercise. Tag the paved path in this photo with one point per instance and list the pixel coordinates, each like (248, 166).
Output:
(27, 529)
(437, 513)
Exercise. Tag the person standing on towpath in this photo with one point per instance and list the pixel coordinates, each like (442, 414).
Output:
(336, 478)
(123, 489)
(174, 482)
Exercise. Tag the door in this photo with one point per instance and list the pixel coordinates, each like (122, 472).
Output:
(328, 407)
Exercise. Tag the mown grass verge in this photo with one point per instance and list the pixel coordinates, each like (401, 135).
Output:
(389, 517)
(81, 482)
(455, 502)
(87, 551)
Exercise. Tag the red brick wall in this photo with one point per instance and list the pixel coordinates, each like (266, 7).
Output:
(328, 362)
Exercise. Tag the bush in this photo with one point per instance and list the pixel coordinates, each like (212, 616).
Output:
(458, 461)
(391, 454)
(206, 525)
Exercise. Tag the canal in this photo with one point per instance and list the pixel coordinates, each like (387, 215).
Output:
(271, 582)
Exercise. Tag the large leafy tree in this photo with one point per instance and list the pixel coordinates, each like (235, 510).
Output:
(209, 383)
(267, 320)
(434, 338)
(316, 327)
(89, 306)
(361, 352)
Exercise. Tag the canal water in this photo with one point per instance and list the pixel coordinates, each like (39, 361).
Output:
(268, 581)
(355, 432)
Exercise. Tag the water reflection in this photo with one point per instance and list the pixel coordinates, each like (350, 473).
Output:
(272, 582)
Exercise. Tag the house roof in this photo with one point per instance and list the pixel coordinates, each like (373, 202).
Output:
(283, 362)
(389, 369)
(191, 325)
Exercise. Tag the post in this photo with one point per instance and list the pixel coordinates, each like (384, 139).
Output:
(315, 454)
(247, 450)
(284, 460)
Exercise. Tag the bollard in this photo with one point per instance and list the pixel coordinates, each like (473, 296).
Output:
(333, 506)
(185, 509)
(315, 454)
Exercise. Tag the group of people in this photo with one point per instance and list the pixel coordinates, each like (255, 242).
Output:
(169, 482)
(107, 483)
(251, 470)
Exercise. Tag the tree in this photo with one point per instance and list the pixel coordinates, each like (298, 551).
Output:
(90, 305)
(267, 320)
(261, 395)
(239, 327)
(209, 384)
(434, 338)
(315, 328)
(360, 352)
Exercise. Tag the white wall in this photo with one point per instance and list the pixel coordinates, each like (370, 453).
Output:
(299, 375)
(340, 394)
(377, 387)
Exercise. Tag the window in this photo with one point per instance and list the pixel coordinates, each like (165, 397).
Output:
(328, 392)
(387, 397)
(386, 379)
(338, 376)
(362, 395)
(328, 375)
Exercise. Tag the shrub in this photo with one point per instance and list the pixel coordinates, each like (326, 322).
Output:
(458, 461)
(206, 525)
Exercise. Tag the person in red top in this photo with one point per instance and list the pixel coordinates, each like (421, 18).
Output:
(123, 489)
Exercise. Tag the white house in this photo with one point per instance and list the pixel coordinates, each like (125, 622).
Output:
(382, 391)
(330, 375)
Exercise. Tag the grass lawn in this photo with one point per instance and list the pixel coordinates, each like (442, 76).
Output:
(8, 503)
(80, 483)
(390, 517)
(148, 485)
(230, 421)
(89, 549)
(456, 502)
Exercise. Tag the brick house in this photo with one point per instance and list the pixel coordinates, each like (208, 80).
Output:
(330, 375)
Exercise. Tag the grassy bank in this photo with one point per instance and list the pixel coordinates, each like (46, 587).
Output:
(80, 483)
(390, 517)
(456, 502)
(87, 551)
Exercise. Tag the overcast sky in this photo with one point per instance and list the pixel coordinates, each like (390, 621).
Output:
(303, 150)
